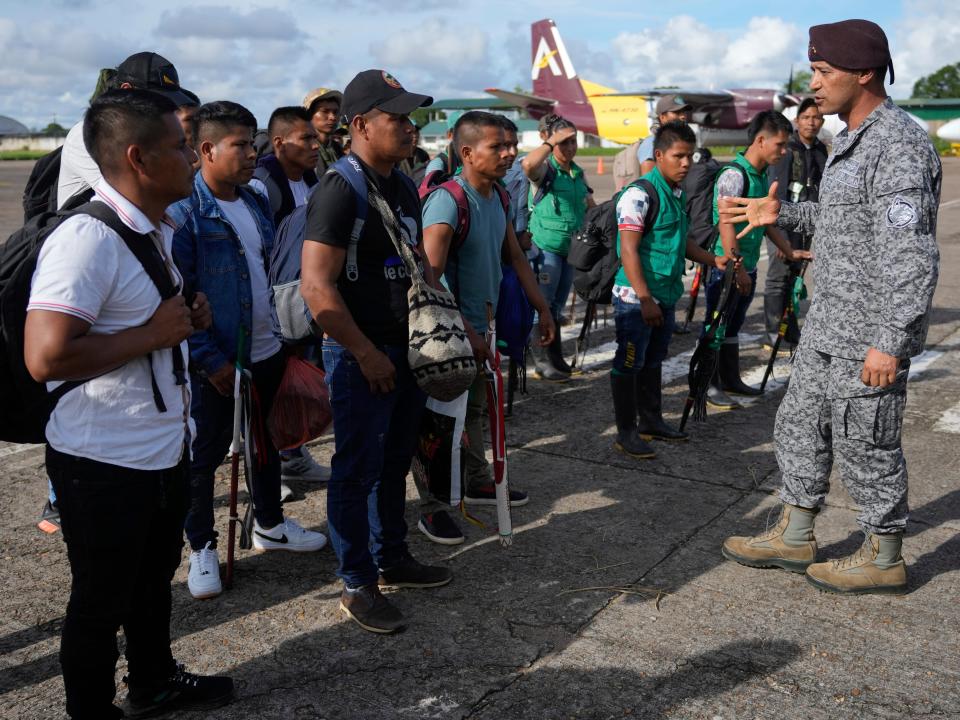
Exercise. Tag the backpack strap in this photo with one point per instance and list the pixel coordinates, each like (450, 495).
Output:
(349, 169)
(546, 184)
(653, 207)
(459, 196)
(504, 197)
(146, 252)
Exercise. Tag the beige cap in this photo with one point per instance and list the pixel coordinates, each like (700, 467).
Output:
(321, 93)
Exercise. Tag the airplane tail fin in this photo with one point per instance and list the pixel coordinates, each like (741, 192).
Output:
(552, 69)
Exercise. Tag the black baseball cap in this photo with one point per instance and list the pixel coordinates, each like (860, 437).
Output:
(379, 89)
(149, 71)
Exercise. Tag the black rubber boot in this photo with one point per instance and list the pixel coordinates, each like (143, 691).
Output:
(649, 394)
(555, 354)
(717, 398)
(625, 410)
(543, 368)
(729, 369)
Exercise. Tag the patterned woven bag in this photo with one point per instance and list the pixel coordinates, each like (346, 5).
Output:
(439, 352)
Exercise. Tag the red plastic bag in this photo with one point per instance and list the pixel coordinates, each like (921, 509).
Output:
(301, 409)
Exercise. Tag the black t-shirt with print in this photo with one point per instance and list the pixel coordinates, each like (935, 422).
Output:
(377, 299)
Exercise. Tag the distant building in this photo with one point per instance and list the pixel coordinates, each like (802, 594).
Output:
(934, 111)
(16, 137)
(9, 126)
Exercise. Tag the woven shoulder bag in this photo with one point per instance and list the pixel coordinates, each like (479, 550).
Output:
(439, 352)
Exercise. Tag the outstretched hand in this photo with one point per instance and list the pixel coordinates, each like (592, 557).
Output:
(756, 212)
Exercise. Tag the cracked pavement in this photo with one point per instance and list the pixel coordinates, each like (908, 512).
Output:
(613, 601)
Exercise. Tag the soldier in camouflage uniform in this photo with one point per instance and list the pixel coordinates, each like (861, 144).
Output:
(875, 271)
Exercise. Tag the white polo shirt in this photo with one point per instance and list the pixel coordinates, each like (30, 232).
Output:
(85, 270)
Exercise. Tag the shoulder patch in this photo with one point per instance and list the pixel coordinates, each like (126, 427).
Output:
(901, 213)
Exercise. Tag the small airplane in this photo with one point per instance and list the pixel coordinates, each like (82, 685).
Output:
(722, 116)
(950, 131)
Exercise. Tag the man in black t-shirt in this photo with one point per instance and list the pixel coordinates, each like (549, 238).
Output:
(358, 295)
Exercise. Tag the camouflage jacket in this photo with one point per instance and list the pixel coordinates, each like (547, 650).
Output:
(874, 239)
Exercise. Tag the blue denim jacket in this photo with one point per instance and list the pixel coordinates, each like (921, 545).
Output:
(207, 249)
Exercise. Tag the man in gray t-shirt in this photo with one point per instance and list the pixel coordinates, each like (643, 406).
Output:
(669, 108)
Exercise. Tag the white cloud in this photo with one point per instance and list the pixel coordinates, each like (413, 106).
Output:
(434, 45)
(213, 21)
(688, 53)
(925, 40)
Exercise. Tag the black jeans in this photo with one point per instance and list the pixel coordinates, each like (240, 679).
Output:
(124, 534)
(213, 415)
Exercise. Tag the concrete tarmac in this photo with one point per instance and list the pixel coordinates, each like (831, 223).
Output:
(612, 602)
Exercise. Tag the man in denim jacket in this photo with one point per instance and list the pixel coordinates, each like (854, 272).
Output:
(222, 248)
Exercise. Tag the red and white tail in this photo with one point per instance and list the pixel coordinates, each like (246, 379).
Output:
(552, 69)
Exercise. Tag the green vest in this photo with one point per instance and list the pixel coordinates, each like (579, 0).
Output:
(560, 212)
(750, 243)
(663, 247)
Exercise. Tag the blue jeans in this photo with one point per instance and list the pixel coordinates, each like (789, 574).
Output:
(559, 281)
(640, 346)
(739, 312)
(375, 438)
(213, 414)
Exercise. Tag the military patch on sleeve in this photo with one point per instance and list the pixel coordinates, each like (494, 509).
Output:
(901, 213)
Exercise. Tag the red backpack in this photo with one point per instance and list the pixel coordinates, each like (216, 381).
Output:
(436, 181)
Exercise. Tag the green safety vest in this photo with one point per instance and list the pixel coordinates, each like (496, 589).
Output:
(560, 212)
(664, 247)
(749, 244)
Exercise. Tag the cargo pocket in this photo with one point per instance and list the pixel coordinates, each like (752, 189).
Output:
(877, 419)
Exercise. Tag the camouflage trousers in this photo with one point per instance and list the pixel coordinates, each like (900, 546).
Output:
(828, 414)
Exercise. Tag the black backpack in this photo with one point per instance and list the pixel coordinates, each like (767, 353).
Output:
(26, 403)
(698, 190)
(40, 192)
(593, 249)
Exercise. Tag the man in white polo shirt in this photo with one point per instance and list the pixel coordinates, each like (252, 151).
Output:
(117, 444)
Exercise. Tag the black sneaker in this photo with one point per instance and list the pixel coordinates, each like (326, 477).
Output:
(411, 573)
(440, 528)
(487, 495)
(49, 518)
(182, 691)
(368, 607)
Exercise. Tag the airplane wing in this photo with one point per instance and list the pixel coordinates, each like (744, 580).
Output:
(694, 97)
(522, 99)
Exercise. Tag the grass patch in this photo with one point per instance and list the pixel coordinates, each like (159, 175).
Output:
(597, 151)
(22, 154)
(944, 147)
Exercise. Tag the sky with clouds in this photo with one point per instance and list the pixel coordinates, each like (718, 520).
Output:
(266, 54)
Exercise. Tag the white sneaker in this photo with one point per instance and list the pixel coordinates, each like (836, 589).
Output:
(203, 580)
(286, 492)
(288, 535)
(304, 467)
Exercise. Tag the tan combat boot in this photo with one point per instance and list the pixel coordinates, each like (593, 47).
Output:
(789, 544)
(877, 567)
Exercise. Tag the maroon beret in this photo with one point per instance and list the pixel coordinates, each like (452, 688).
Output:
(851, 44)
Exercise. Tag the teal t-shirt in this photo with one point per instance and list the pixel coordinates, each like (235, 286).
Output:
(473, 270)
